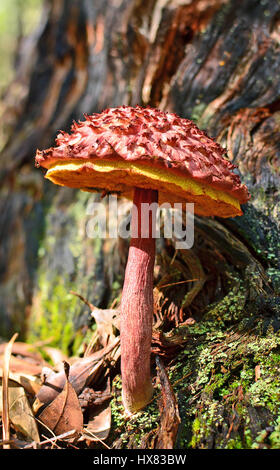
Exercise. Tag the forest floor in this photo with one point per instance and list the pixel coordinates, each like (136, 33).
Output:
(216, 386)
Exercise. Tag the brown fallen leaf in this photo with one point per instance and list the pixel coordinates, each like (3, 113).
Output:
(99, 424)
(56, 355)
(20, 365)
(99, 420)
(30, 383)
(24, 350)
(64, 413)
(90, 397)
(20, 412)
(170, 418)
(82, 372)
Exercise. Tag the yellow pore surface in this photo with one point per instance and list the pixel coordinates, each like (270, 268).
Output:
(121, 177)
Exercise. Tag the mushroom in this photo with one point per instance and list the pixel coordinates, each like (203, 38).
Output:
(148, 156)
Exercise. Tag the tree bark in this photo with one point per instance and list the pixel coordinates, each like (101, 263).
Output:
(216, 62)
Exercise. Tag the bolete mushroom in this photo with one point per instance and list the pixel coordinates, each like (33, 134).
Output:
(145, 155)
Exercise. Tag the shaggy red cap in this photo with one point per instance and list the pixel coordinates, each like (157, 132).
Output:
(122, 148)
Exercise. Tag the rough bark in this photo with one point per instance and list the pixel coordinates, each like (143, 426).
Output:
(216, 62)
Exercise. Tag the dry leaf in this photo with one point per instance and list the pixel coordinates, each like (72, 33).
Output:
(20, 412)
(82, 372)
(99, 421)
(19, 365)
(107, 321)
(57, 356)
(30, 383)
(64, 413)
(24, 350)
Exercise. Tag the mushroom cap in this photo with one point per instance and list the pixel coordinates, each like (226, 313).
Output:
(127, 147)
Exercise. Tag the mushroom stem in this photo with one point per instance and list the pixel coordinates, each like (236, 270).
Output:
(137, 305)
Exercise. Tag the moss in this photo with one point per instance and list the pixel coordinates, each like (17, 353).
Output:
(196, 429)
(274, 438)
(198, 111)
(52, 318)
(235, 443)
(231, 307)
(135, 428)
(226, 377)
(67, 258)
(216, 376)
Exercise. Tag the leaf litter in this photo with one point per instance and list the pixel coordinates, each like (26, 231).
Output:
(56, 403)
(68, 402)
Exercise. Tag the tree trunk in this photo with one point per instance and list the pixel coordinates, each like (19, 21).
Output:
(216, 62)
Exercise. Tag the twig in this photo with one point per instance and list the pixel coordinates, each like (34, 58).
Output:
(11, 441)
(51, 439)
(93, 340)
(90, 433)
(114, 303)
(174, 256)
(180, 282)
(83, 299)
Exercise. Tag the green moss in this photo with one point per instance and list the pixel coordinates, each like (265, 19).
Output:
(53, 320)
(231, 307)
(274, 438)
(235, 443)
(198, 111)
(137, 426)
(61, 260)
(226, 378)
(16, 18)
(216, 376)
(196, 431)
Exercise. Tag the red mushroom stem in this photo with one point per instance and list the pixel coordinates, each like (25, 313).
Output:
(137, 307)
